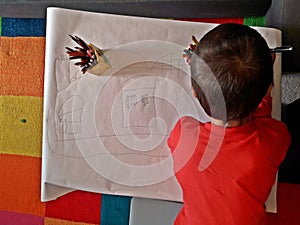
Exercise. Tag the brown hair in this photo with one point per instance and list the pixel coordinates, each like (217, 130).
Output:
(240, 61)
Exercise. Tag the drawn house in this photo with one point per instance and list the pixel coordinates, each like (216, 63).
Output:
(70, 115)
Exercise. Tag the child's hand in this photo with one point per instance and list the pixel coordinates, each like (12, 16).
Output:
(188, 52)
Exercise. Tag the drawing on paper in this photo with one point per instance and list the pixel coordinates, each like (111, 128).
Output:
(124, 111)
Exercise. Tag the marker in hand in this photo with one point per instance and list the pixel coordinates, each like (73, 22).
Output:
(281, 49)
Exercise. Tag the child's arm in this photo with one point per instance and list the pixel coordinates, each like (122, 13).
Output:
(174, 136)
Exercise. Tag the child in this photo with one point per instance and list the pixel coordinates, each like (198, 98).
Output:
(244, 145)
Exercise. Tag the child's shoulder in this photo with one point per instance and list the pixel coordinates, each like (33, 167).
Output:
(185, 131)
(275, 130)
(272, 124)
(188, 121)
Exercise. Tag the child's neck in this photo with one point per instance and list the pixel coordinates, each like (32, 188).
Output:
(231, 123)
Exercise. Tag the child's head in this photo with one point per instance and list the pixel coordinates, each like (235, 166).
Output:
(240, 60)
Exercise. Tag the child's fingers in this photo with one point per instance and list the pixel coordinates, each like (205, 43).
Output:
(187, 58)
(188, 52)
(192, 47)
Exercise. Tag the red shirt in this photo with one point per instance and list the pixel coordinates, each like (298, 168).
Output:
(233, 188)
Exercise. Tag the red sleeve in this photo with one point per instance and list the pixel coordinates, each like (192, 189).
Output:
(174, 136)
(285, 143)
(282, 139)
(264, 109)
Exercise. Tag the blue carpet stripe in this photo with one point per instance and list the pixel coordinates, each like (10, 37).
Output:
(115, 210)
(13, 27)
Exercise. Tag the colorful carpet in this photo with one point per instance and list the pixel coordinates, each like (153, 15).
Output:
(22, 47)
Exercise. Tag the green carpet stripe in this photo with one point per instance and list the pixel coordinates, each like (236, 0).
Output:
(0, 26)
(255, 21)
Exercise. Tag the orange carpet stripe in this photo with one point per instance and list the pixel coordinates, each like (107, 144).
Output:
(22, 66)
(20, 184)
(53, 221)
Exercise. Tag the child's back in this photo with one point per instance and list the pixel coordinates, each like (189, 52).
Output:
(247, 145)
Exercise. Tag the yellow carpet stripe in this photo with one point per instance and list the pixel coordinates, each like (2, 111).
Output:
(21, 125)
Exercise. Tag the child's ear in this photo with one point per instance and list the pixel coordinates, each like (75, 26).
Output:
(273, 57)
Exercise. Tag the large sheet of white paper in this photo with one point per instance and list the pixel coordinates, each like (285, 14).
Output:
(108, 134)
